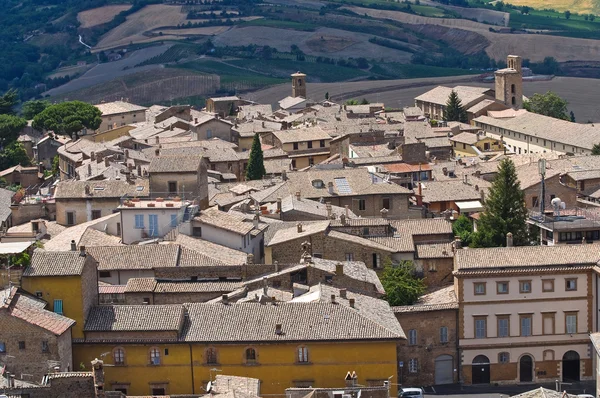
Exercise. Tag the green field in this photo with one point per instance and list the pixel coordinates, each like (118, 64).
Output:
(409, 71)
(284, 68)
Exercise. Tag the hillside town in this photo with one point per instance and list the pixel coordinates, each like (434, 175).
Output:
(310, 249)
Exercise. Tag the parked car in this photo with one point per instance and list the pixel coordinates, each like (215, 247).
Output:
(410, 393)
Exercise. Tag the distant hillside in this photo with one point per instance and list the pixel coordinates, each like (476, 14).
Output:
(575, 6)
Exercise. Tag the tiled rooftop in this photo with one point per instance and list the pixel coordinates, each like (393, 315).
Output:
(441, 299)
(45, 263)
(527, 256)
(255, 322)
(135, 318)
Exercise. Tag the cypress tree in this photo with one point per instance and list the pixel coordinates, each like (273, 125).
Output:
(256, 167)
(504, 211)
(454, 111)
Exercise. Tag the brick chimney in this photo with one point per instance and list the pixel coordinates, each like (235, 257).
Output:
(278, 205)
(509, 239)
(343, 293)
(351, 302)
(98, 376)
(106, 161)
(328, 207)
(82, 252)
(225, 299)
(250, 258)
(299, 227)
(93, 156)
(73, 246)
(339, 269)
(333, 299)
(298, 195)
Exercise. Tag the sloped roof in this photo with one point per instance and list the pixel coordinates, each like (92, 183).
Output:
(135, 256)
(226, 221)
(134, 318)
(175, 164)
(216, 254)
(62, 240)
(439, 95)
(377, 310)
(116, 107)
(424, 226)
(526, 256)
(254, 322)
(440, 299)
(291, 233)
(435, 250)
(448, 191)
(50, 263)
(31, 310)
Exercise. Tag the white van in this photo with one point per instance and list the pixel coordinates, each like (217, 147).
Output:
(410, 393)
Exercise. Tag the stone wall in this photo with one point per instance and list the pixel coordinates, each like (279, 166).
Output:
(31, 359)
(437, 272)
(553, 187)
(428, 346)
(328, 248)
(23, 213)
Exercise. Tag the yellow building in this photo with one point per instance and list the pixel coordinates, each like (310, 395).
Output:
(175, 349)
(472, 145)
(67, 281)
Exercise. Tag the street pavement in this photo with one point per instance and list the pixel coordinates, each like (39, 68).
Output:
(504, 391)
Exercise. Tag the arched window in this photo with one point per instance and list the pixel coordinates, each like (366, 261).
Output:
(303, 354)
(154, 356)
(211, 356)
(250, 355)
(119, 356)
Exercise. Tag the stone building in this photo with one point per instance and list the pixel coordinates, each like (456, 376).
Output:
(78, 202)
(23, 176)
(163, 291)
(119, 113)
(430, 352)
(285, 245)
(298, 85)
(33, 340)
(179, 175)
(206, 126)
(509, 83)
(435, 261)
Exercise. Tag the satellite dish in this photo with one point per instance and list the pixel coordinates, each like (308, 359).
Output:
(209, 386)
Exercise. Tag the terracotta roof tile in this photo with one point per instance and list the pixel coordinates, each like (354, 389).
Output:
(135, 318)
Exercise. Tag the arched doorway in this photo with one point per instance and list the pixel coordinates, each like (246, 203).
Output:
(526, 368)
(480, 370)
(444, 369)
(570, 366)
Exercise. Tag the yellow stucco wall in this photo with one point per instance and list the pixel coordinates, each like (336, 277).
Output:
(276, 365)
(110, 134)
(65, 288)
(465, 150)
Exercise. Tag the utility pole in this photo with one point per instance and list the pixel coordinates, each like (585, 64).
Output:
(542, 171)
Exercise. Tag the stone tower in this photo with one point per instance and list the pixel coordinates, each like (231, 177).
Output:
(509, 83)
(299, 85)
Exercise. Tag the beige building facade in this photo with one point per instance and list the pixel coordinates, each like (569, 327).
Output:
(525, 313)
(118, 114)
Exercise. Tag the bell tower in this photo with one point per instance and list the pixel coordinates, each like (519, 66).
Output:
(509, 83)
(299, 85)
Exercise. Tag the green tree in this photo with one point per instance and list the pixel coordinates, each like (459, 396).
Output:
(401, 285)
(327, 95)
(596, 149)
(572, 116)
(20, 260)
(68, 118)
(454, 111)
(55, 165)
(352, 102)
(548, 104)
(8, 101)
(463, 228)
(10, 126)
(13, 155)
(32, 108)
(256, 166)
(592, 17)
(567, 14)
(364, 101)
(504, 211)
